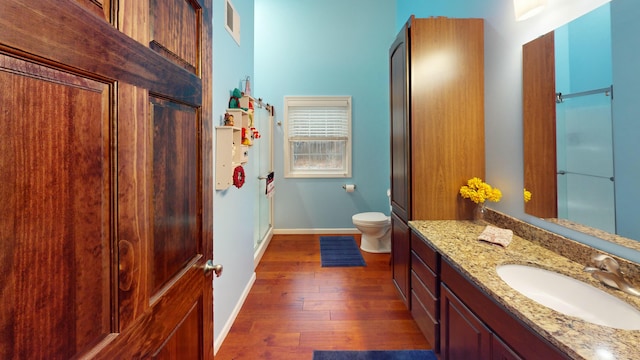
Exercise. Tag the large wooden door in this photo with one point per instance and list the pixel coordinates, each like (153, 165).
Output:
(106, 190)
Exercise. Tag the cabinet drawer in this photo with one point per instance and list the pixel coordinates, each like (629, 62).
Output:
(424, 273)
(429, 327)
(425, 252)
(427, 298)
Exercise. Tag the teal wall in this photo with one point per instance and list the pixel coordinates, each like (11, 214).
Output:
(590, 51)
(448, 8)
(329, 47)
(233, 208)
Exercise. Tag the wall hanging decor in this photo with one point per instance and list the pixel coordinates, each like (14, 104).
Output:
(238, 176)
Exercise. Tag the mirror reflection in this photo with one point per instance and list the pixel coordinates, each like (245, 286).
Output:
(579, 88)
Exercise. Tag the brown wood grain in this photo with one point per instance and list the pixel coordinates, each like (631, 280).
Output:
(400, 127)
(447, 114)
(88, 275)
(170, 18)
(91, 46)
(539, 126)
(464, 336)
(425, 289)
(175, 186)
(401, 251)
(205, 175)
(55, 235)
(296, 306)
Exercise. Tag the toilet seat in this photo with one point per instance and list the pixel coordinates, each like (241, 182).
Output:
(371, 218)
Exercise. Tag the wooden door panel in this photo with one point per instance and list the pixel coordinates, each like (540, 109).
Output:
(171, 17)
(86, 43)
(55, 239)
(175, 189)
(101, 8)
(108, 181)
(134, 227)
(463, 335)
(400, 233)
(400, 130)
(183, 343)
(149, 335)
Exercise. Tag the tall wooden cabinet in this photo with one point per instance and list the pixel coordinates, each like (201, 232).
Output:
(437, 126)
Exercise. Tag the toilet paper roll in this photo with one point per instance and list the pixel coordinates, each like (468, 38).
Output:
(350, 188)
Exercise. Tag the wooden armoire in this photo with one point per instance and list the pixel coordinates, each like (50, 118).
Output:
(437, 127)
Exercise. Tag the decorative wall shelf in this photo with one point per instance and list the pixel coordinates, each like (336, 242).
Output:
(232, 144)
(229, 153)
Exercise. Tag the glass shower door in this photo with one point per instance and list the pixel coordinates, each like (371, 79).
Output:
(263, 165)
(585, 160)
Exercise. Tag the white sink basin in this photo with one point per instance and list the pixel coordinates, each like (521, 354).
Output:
(570, 296)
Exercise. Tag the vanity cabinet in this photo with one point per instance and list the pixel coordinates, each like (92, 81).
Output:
(425, 290)
(437, 125)
(464, 336)
(459, 320)
(474, 326)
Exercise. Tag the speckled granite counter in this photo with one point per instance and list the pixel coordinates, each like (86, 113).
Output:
(458, 244)
(613, 238)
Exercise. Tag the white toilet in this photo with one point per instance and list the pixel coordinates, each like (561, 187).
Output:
(375, 228)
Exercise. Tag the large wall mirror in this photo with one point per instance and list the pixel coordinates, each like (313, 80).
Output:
(581, 113)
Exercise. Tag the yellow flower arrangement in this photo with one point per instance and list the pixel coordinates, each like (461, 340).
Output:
(527, 195)
(479, 191)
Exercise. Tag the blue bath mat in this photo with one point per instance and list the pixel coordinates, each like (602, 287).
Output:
(374, 355)
(338, 251)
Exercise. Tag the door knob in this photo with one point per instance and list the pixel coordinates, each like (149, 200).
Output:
(209, 267)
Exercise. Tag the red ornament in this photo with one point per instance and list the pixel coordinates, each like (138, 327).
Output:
(238, 176)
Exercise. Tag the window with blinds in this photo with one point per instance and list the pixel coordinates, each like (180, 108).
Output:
(318, 136)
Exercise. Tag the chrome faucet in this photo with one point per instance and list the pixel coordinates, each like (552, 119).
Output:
(607, 271)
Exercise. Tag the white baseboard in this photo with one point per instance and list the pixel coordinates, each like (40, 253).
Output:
(316, 231)
(257, 255)
(227, 327)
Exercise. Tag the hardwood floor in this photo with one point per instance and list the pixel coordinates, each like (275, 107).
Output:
(296, 306)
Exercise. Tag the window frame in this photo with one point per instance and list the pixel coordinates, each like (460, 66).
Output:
(317, 101)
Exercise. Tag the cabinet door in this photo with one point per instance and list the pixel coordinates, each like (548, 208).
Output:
(400, 251)
(502, 351)
(446, 116)
(400, 157)
(463, 336)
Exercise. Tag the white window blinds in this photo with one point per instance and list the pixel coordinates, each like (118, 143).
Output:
(318, 136)
(318, 123)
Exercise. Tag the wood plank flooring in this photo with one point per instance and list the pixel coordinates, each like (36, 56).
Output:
(296, 306)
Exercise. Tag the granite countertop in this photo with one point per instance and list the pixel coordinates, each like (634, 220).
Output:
(457, 241)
